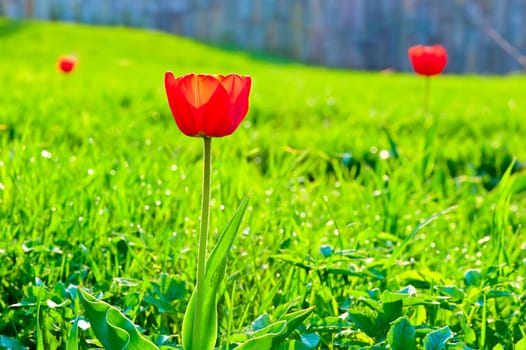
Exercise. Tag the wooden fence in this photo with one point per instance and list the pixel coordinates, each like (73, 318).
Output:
(487, 36)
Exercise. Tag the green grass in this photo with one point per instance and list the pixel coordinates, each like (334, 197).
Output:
(99, 189)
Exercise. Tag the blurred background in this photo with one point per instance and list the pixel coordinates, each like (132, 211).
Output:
(481, 36)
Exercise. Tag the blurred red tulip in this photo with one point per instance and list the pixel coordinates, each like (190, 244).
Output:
(428, 60)
(208, 105)
(66, 63)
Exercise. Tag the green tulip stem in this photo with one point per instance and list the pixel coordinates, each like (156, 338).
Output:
(203, 239)
(426, 96)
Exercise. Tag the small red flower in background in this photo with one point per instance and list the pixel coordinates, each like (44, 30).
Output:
(67, 63)
(428, 60)
(208, 105)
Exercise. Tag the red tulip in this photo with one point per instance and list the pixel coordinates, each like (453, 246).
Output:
(428, 60)
(66, 63)
(208, 105)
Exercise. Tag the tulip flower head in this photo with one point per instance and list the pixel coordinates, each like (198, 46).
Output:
(208, 105)
(67, 63)
(428, 60)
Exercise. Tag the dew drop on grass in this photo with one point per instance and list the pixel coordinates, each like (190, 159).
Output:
(167, 192)
(1, 163)
(2, 187)
(91, 171)
(146, 207)
(384, 154)
(483, 240)
(158, 203)
(81, 218)
(46, 154)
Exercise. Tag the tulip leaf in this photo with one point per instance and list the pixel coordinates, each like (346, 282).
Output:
(112, 328)
(271, 336)
(214, 275)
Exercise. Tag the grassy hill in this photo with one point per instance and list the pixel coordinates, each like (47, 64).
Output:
(99, 189)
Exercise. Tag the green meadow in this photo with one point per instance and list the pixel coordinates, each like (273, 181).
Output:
(404, 229)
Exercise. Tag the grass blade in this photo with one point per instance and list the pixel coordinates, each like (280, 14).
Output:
(400, 249)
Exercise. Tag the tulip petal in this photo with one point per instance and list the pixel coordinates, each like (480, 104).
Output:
(198, 89)
(233, 84)
(181, 110)
(218, 121)
(239, 109)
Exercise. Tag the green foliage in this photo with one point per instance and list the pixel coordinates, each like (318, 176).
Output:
(112, 328)
(271, 336)
(437, 339)
(401, 336)
(348, 183)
